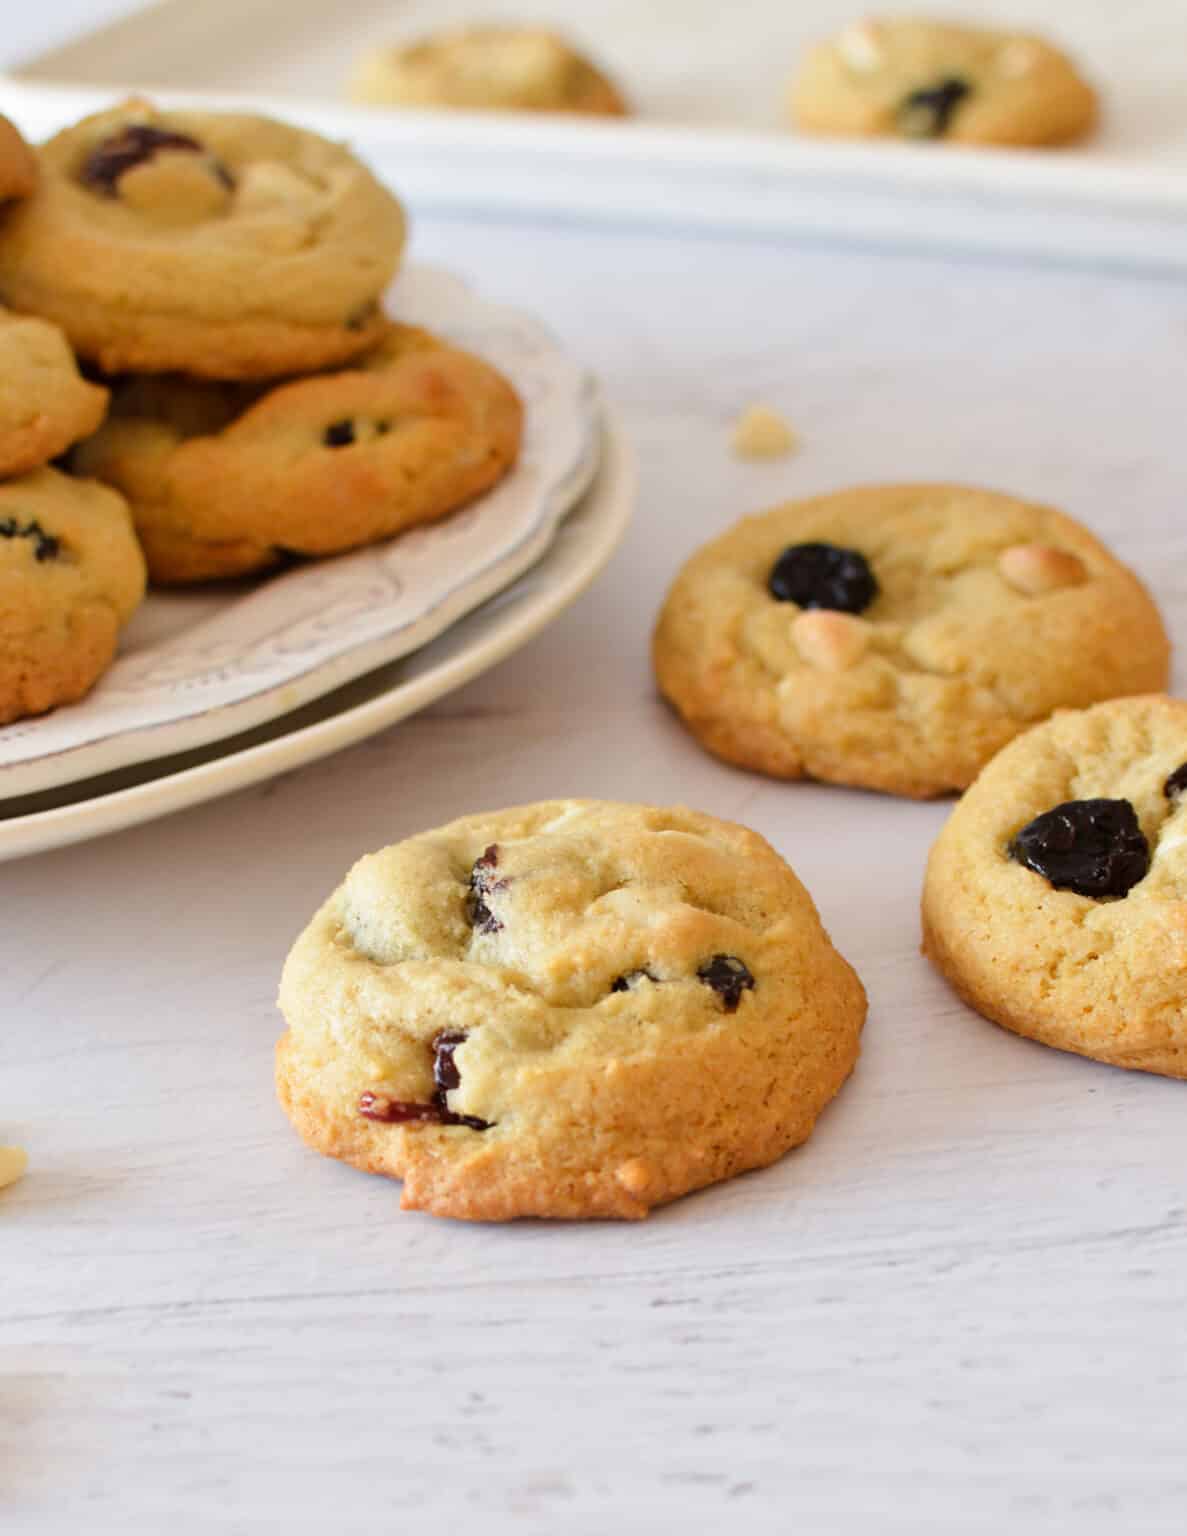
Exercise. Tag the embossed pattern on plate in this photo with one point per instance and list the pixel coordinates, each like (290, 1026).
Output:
(196, 667)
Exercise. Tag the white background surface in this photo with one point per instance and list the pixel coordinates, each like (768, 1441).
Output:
(959, 1308)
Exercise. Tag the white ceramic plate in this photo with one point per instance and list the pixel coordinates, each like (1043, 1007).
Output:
(196, 668)
(586, 540)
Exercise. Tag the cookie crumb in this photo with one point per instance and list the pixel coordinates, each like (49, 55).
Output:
(761, 433)
(13, 1163)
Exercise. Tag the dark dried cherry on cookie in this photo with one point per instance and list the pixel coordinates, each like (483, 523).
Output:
(728, 977)
(446, 1075)
(823, 576)
(1092, 847)
(131, 146)
(377, 1106)
(46, 545)
(483, 885)
(926, 113)
(339, 434)
(625, 982)
(1176, 783)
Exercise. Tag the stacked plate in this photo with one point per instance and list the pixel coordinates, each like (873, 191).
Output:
(220, 688)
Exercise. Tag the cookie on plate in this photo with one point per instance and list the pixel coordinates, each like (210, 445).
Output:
(895, 637)
(18, 163)
(916, 79)
(225, 479)
(45, 403)
(71, 576)
(1056, 896)
(211, 243)
(492, 68)
(568, 1009)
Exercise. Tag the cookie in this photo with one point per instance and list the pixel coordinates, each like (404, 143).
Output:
(1056, 895)
(510, 69)
(225, 479)
(569, 1009)
(916, 79)
(895, 637)
(211, 243)
(18, 163)
(71, 576)
(45, 404)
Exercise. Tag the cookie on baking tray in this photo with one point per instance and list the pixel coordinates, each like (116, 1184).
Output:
(217, 244)
(18, 163)
(1056, 895)
(225, 479)
(568, 1009)
(499, 68)
(916, 79)
(895, 637)
(71, 576)
(45, 403)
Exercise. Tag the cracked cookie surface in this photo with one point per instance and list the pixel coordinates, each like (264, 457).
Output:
(1098, 974)
(45, 403)
(71, 576)
(916, 79)
(488, 68)
(226, 479)
(567, 1009)
(216, 244)
(981, 615)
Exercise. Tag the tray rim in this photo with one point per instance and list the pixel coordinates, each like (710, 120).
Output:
(1070, 205)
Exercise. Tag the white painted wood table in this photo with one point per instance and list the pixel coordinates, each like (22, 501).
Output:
(959, 1308)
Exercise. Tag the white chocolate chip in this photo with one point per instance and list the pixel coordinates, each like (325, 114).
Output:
(860, 46)
(13, 1162)
(1038, 568)
(267, 186)
(761, 433)
(1018, 57)
(831, 641)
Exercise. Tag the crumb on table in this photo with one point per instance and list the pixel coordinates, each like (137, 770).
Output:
(13, 1162)
(761, 433)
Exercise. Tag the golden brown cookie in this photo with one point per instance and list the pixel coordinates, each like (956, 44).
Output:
(895, 637)
(71, 576)
(225, 479)
(917, 79)
(45, 403)
(18, 163)
(489, 68)
(569, 1009)
(1056, 895)
(211, 243)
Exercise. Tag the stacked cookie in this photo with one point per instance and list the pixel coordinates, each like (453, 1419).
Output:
(71, 571)
(224, 274)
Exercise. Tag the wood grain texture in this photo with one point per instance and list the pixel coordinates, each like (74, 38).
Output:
(959, 1308)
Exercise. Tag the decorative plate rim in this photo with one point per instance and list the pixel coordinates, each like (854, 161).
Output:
(558, 462)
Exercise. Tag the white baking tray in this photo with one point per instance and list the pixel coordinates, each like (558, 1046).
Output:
(708, 147)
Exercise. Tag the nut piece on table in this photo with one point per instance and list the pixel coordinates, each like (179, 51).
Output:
(13, 1163)
(761, 433)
